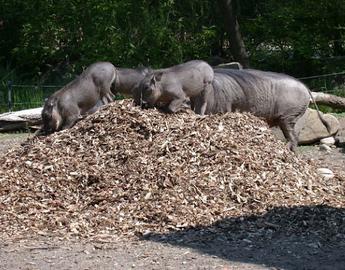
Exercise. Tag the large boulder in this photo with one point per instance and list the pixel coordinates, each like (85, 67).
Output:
(340, 137)
(310, 127)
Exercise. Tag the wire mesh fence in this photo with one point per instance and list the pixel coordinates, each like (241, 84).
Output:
(14, 97)
(333, 83)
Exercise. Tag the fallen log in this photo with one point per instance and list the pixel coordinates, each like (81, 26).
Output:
(333, 101)
(18, 120)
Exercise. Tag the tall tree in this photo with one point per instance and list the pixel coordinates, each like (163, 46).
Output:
(237, 47)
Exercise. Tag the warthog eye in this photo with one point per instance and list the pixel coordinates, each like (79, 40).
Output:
(148, 89)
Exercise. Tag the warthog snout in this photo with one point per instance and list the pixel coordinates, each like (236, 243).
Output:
(144, 104)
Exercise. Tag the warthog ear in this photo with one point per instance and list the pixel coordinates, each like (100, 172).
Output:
(158, 76)
(153, 80)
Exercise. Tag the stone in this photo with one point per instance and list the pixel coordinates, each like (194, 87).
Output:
(325, 147)
(328, 140)
(325, 173)
(340, 136)
(311, 129)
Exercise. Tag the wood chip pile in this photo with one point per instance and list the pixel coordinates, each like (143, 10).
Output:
(126, 171)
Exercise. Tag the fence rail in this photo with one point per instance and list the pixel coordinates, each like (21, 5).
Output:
(331, 83)
(15, 97)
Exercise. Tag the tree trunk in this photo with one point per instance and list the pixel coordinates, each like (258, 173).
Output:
(232, 27)
(329, 100)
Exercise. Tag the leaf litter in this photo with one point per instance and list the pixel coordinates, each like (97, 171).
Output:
(126, 172)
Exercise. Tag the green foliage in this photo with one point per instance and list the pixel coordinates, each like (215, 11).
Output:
(65, 36)
(49, 41)
(294, 36)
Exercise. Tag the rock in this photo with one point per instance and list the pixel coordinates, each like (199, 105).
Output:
(325, 147)
(311, 129)
(325, 173)
(340, 136)
(328, 141)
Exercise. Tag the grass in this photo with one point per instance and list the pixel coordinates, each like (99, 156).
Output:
(14, 135)
(25, 96)
(339, 115)
(306, 148)
(8, 140)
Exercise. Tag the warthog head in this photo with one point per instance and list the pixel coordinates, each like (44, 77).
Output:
(50, 118)
(149, 90)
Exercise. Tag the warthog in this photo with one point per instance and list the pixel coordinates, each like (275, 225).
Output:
(81, 96)
(278, 98)
(173, 86)
(127, 79)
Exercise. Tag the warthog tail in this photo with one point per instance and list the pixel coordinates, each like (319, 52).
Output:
(323, 120)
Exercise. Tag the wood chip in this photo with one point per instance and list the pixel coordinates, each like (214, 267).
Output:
(126, 171)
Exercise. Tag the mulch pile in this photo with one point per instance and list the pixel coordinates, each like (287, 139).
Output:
(126, 171)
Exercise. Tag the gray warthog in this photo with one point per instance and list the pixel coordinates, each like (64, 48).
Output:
(127, 79)
(278, 98)
(173, 86)
(81, 96)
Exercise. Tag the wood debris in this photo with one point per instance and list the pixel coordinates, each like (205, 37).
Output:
(126, 171)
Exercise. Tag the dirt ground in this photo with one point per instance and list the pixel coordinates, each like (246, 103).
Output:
(270, 247)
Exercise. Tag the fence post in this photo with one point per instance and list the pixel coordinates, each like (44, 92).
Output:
(9, 95)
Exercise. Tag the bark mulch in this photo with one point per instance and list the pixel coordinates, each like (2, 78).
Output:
(126, 171)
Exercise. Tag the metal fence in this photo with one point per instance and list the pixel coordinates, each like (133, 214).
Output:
(14, 97)
(333, 83)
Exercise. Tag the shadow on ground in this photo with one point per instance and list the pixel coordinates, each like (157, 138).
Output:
(342, 147)
(308, 237)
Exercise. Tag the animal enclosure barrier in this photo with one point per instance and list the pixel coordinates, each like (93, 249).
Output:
(333, 83)
(15, 97)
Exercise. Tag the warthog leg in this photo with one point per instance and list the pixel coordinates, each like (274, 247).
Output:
(95, 108)
(105, 100)
(288, 129)
(176, 105)
(71, 121)
(70, 116)
(203, 97)
(108, 98)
